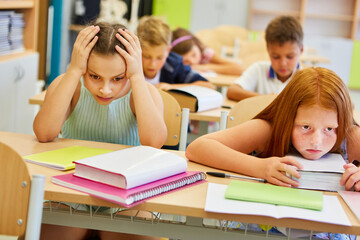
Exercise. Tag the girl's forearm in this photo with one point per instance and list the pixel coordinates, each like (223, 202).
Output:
(54, 111)
(149, 114)
(215, 154)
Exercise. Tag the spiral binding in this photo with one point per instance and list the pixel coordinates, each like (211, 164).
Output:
(166, 187)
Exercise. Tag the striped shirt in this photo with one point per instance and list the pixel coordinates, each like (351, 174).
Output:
(113, 123)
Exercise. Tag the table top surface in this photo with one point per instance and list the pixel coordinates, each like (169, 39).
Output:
(213, 115)
(189, 201)
(221, 80)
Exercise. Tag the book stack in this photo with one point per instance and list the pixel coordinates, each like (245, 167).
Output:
(130, 176)
(11, 32)
(321, 174)
(16, 35)
(5, 17)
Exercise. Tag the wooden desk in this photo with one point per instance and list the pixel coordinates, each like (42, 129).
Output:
(212, 115)
(38, 99)
(221, 80)
(188, 202)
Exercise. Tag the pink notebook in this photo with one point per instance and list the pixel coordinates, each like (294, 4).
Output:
(352, 199)
(130, 197)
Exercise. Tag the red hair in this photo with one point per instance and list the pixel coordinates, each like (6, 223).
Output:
(311, 86)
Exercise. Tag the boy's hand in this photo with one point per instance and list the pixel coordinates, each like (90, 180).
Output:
(351, 177)
(277, 171)
(84, 43)
(133, 57)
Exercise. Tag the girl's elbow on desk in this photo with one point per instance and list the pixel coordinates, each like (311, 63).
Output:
(43, 137)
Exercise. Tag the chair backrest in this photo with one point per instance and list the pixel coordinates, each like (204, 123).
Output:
(248, 108)
(176, 120)
(16, 194)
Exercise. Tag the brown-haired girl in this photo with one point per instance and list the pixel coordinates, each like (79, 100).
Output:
(103, 96)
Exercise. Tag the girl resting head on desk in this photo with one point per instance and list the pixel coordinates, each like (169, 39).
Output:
(313, 115)
(103, 96)
(200, 57)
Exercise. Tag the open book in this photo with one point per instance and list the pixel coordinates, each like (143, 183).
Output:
(332, 211)
(63, 158)
(197, 98)
(130, 197)
(321, 174)
(130, 167)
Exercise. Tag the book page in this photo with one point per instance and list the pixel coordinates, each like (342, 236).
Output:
(331, 162)
(207, 98)
(332, 211)
(216, 202)
(324, 181)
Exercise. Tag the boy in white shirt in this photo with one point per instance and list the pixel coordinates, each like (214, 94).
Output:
(284, 41)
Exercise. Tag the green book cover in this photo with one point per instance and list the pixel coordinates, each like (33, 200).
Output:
(266, 193)
(62, 159)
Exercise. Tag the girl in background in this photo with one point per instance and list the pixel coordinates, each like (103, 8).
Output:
(200, 57)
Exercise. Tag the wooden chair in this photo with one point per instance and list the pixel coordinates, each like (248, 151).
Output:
(176, 120)
(246, 109)
(21, 197)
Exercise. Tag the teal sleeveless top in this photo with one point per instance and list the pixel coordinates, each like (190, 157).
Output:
(113, 123)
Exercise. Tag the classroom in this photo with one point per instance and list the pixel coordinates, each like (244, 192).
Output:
(214, 103)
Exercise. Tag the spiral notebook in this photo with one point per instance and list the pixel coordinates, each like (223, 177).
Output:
(129, 197)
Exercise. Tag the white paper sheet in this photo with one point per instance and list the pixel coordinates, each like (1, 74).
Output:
(332, 211)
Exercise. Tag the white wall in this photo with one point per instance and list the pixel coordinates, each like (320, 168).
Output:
(338, 50)
(211, 13)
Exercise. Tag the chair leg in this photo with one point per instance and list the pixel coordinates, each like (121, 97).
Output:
(35, 207)
(184, 128)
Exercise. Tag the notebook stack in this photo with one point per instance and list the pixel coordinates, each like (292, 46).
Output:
(130, 176)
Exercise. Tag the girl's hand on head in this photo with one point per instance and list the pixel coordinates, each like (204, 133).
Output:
(133, 55)
(351, 177)
(278, 171)
(83, 45)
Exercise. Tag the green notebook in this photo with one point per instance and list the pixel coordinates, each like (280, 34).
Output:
(62, 159)
(266, 193)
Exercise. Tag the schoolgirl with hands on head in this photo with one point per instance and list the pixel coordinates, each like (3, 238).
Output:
(312, 116)
(103, 96)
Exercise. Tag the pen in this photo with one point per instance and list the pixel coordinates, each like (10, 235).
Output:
(228, 107)
(224, 175)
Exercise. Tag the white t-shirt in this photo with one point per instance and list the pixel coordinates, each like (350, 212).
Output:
(261, 78)
(155, 80)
